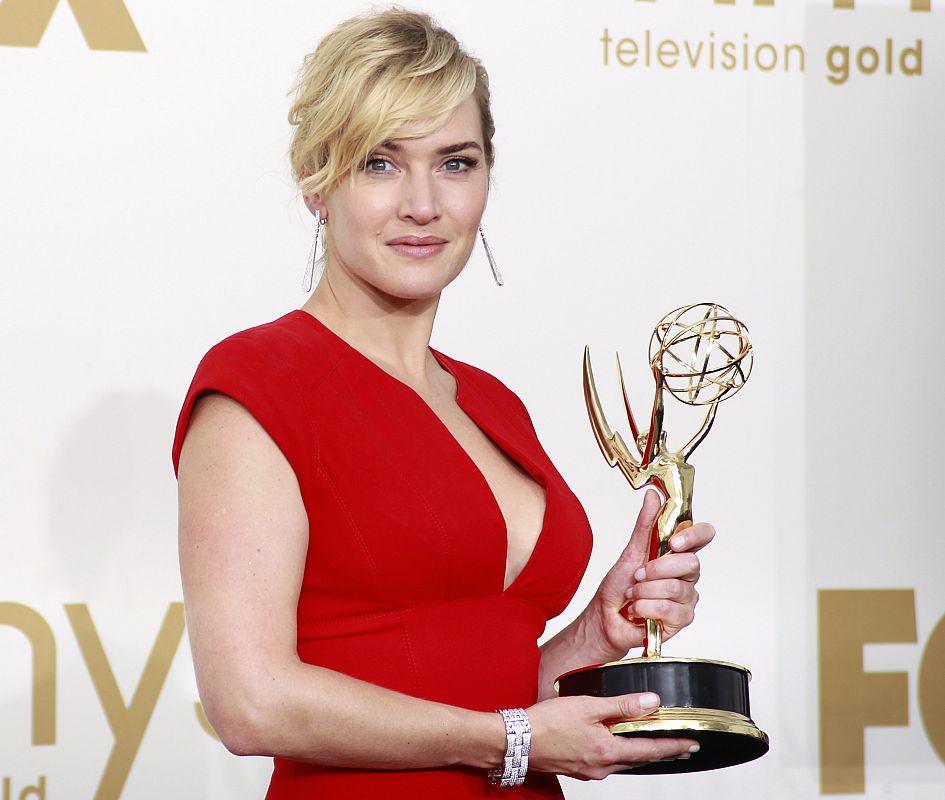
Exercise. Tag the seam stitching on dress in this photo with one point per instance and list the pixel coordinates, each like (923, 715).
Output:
(409, 651)
(418, 492)
(351, 522)
(425, 603)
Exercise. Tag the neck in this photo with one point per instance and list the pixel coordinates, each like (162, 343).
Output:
(393, 332)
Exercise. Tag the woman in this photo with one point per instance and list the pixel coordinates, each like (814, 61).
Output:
(371, 536)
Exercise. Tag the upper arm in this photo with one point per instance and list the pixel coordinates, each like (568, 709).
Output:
(243, 535)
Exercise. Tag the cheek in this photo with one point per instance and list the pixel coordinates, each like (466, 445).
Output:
(361, 229)
(467, 208)
(363, 209)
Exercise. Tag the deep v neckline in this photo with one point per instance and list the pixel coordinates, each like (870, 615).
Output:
(515, 455)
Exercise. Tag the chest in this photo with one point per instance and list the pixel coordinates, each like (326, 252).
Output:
(520, 498)
(417, 504)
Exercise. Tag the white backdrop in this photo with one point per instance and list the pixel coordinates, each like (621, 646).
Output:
(146, 212)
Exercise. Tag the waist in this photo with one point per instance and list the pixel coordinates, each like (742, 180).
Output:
(292, 780)
(477, 652)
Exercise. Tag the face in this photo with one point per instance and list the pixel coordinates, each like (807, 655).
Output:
(405, 224)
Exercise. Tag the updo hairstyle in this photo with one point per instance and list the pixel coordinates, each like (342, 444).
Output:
(377, 77)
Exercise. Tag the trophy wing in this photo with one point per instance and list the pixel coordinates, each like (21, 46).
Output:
(611, 444)
(634, 430)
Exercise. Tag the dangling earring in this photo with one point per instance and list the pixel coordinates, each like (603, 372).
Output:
(309, 276)
(495, 270)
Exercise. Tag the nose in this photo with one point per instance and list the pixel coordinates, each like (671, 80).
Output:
(420, 202)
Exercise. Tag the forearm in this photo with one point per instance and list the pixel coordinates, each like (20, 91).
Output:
(308, 713)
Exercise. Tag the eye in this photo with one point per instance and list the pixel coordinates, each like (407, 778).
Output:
(378, 164)
(460, 164)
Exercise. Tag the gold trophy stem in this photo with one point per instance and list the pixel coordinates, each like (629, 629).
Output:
(659, 546)
(654, 638)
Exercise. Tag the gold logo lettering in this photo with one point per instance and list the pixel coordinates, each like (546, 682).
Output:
(850, 699)
(204, 722)
(128, 723)
(932, 689)
(43, 643)
(914, 5)
(105, 24)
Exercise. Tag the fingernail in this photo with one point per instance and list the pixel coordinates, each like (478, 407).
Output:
(639, 575)
(679, 542)
(649, 700)
(683, 757)
(694, 748)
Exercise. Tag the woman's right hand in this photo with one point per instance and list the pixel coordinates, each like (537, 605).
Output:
(570, 736)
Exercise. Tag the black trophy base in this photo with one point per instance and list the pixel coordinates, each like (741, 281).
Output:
(702, 700)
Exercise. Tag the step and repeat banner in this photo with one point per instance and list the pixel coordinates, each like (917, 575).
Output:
(783, 158)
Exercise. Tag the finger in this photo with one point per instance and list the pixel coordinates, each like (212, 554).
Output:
(626, 706)
(671, 614)
(675, 589)
(635, 751)
(693, 538)
(684, 566)
(638, 550)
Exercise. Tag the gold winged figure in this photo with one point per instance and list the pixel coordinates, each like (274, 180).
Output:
(691, 357)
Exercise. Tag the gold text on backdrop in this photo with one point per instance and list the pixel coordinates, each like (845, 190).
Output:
(105, 24)
(35, 791)
(852, 699)
(652, 51)
(128, 721)
(914, 5)
(43, 648)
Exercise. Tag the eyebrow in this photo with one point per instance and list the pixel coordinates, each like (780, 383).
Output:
(443, 151)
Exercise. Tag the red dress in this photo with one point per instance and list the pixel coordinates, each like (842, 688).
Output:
(403, 580)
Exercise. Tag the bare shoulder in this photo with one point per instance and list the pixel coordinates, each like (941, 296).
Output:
(223, 436)
(236, 488)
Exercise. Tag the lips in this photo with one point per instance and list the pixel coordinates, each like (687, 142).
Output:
(417, 241)
(417, 246)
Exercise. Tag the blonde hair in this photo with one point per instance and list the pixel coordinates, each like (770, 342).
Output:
(371, 79)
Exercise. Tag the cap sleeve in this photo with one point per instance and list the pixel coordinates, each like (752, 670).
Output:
(256, 378)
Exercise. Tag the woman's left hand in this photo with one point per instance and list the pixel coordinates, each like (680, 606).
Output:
(663, 589)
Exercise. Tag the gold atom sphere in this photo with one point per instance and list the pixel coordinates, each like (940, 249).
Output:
(703, 353)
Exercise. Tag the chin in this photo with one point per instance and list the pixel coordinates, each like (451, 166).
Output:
(420, 285)
(402, 292)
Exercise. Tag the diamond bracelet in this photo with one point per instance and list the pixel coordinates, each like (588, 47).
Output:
(518, 732)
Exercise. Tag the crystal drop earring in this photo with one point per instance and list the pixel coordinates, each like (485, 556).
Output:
(309, 276)
(495, 270)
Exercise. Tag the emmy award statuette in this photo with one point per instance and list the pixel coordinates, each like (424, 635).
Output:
(701, 355)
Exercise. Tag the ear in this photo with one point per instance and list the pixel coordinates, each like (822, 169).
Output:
(313, 202)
